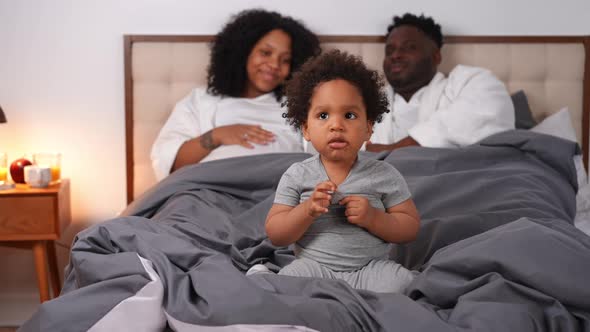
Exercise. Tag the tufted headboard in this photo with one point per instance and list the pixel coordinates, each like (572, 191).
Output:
(159, 70)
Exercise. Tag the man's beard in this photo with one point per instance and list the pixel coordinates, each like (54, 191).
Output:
(419, 76)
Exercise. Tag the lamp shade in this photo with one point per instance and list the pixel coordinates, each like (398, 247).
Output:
(2, 116)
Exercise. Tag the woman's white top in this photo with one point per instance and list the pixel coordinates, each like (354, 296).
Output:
(200, 112)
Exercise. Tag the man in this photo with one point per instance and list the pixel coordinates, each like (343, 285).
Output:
(427, 108)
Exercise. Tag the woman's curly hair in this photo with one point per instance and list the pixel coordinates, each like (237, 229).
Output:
(227, 75)
(331, 66)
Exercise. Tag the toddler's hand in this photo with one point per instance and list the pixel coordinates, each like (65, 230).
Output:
(318, 202)
(358, 210)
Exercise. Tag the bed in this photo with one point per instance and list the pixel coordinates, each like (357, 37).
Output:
(160, 70)
(497, 249)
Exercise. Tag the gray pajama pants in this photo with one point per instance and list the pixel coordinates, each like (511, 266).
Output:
(382, 276)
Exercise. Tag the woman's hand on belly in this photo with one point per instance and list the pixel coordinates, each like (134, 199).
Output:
(242, 134)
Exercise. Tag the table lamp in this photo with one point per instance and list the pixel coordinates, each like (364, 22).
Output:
(2, 116)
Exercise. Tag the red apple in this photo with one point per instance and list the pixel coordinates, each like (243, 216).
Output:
(17, 170)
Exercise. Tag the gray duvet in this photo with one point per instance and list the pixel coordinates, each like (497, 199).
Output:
(497, 251)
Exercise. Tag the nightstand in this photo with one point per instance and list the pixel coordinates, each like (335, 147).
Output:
(34, 218)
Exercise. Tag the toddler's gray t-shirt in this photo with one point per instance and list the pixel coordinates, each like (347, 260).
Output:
(331, 240)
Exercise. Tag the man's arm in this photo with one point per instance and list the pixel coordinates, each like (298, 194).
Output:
(475, 105)
(408, 141)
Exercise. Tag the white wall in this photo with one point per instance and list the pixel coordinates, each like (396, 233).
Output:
(61, 75)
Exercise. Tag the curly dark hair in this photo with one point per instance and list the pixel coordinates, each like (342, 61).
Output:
(226, 74)
(425, 24)
(330, 66)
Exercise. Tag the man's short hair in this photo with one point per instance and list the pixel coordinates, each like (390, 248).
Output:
(425, 24)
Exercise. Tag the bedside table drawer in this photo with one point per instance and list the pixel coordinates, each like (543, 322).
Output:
(30, 215)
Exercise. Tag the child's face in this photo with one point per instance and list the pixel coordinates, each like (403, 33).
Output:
(337, 124)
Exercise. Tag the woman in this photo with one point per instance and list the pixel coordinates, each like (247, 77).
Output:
(239, 113)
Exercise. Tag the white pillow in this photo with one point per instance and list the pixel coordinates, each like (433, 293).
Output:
(560, 124)
(557, 124)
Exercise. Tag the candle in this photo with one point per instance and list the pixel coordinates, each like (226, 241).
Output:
(55, 172)
(3, 174)
(51, 160)
(3, 167)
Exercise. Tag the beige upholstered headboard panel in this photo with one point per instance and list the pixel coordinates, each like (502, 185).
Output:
(160, 70)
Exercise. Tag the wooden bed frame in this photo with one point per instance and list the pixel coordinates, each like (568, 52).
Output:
(554, 71)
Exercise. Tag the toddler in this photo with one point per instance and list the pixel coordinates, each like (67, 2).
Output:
(341, 211)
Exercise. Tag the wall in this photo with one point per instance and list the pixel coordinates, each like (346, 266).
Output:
(61, 80)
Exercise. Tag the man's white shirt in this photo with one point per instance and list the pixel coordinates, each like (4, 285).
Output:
(461, 109)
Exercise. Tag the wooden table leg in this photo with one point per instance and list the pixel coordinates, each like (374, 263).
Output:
(52, 258)
(40, 254)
